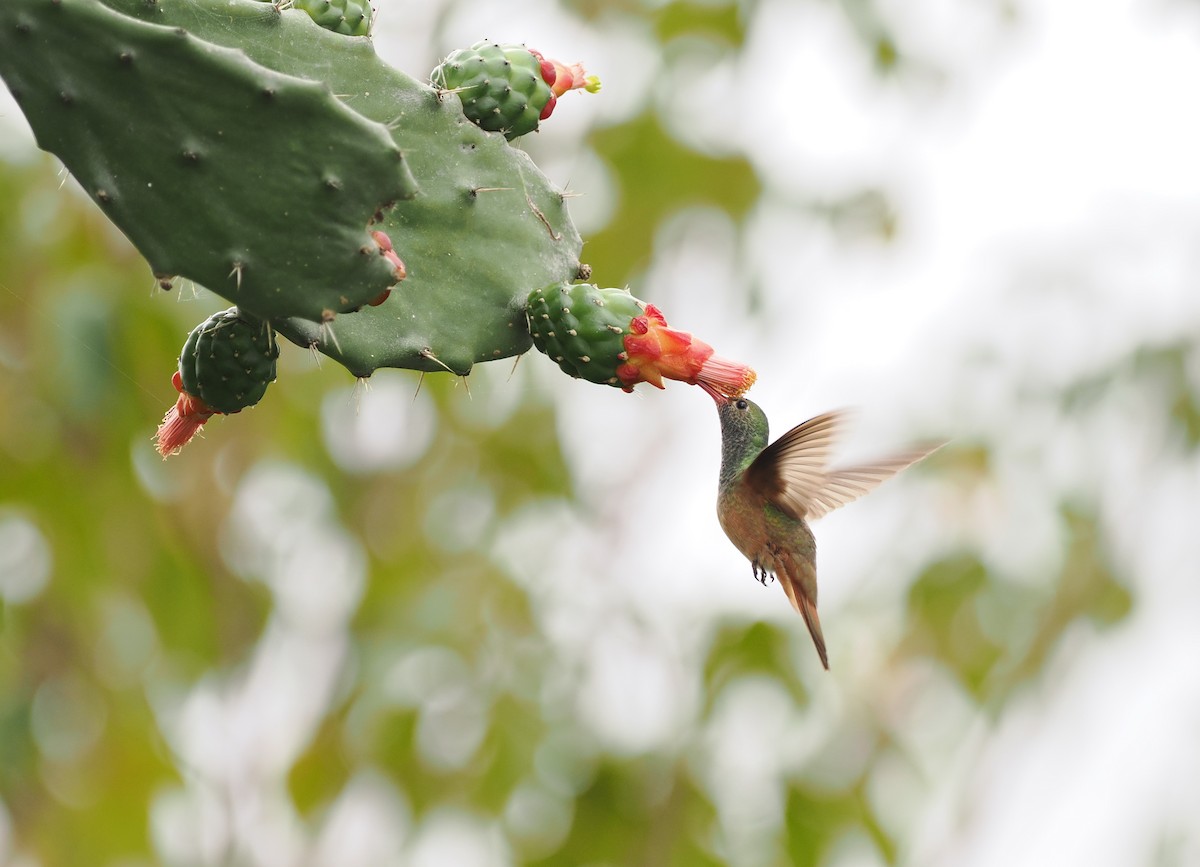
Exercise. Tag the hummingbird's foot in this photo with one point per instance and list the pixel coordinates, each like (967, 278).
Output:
(761, 575)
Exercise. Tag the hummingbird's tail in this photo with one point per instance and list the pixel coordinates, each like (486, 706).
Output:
(805, 604)
(813, 622)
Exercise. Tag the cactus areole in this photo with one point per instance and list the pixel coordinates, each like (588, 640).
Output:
(609, 337)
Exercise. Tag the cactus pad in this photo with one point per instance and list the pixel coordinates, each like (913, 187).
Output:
(609, 337)
(217, 168)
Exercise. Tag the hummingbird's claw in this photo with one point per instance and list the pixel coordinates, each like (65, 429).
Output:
(761, 575)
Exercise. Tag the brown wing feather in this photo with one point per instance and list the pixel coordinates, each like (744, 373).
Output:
(792, 470)
(847, 485)
(793, 467)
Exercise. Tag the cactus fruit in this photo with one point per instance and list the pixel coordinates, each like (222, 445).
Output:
(508, 88)
(347, 17)
(226, 365)
(609, 337)
(228, 361)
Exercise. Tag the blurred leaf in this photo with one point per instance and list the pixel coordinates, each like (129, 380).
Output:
(641, 814)
(1167, 368)
(875, 33)
(594, 9)
(815, 819)
(507, 752)
(323, 769)
(18, 754)
(85, 360)
(725, 20)
(528, 440)
(943, 608)
(657, 176)
(756, 648)
(1087, 587)
(865, 214)
(949, 601)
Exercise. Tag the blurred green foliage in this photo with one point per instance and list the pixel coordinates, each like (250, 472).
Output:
(450, 687)
(656, 177)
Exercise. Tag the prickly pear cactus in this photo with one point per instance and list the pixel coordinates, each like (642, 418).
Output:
(507, 88)
(607, 336)
(226, 364)
(485, 227)
(288, 169)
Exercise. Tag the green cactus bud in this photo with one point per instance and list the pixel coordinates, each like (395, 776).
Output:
(348, 17)
(226, 365)
(583, 328)
(503, 88)
(228, 361)
(609, 337)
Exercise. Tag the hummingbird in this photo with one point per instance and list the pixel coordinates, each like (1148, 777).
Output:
(768, 494)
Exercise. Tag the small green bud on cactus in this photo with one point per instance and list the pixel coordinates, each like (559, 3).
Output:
(508, 88)
(348, 17)
(226, 365)
(609, 337)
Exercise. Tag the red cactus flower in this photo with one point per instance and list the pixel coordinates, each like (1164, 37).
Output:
(387, 251)
(572, 77)
(563, 78)
(654, 351)
(182, 421)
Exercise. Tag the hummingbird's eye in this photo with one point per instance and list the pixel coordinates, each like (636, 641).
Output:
(742, 403)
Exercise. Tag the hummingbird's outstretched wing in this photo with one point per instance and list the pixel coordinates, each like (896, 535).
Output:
(792, 471)
(846, 485)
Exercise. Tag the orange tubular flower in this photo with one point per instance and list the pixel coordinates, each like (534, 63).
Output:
(182, 421)
(654, 351)
(571, 77)
(563, 78)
